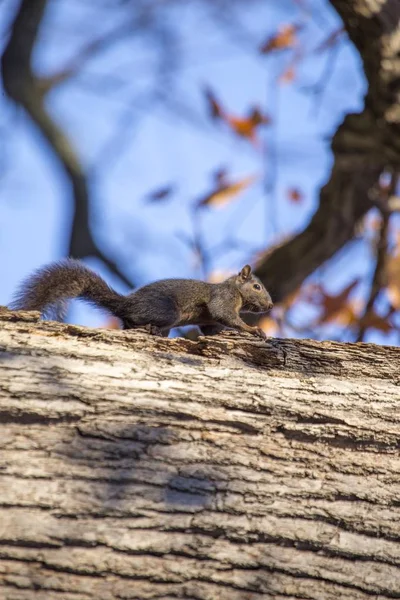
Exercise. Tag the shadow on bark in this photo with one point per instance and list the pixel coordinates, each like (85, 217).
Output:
(140, 462)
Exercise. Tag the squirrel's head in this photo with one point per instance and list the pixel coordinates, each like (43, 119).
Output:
(255, 297)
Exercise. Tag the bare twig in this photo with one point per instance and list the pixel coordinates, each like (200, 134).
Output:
(198, 245)
(78, 62)
(320, 86)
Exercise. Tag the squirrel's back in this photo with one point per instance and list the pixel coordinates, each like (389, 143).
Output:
(49, 288)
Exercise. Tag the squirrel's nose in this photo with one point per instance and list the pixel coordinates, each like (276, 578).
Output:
(270, 305)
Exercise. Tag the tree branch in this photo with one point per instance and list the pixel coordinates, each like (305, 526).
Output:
(25, 89)
(134, 466)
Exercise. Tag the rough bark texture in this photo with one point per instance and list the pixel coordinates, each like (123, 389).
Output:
(228, 468)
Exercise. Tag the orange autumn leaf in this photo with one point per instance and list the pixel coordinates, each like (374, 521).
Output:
(294, 195)
(246, 127)
(242, 127)
(226, 192)
(331, 304)
(285, 38)
(348, 315)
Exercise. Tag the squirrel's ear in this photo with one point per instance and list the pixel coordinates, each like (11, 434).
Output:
(245, 273)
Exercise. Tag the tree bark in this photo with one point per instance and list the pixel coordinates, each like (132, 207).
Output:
(229, 468)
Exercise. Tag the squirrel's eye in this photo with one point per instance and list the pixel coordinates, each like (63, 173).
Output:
(256, 286)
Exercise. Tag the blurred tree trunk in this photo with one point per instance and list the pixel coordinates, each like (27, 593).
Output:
(364, 146)
(228, 468)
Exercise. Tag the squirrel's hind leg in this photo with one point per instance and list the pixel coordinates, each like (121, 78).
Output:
(157, 315)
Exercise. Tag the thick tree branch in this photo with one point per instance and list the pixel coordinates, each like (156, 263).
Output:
(25, 89)
(135, 467)
(363, 146)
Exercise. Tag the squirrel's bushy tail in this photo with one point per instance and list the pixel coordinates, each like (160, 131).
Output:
(49, 289)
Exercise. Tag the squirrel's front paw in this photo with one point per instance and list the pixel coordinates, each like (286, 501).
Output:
(260, 333)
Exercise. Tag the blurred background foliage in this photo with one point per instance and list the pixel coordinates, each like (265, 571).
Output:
(163, 138)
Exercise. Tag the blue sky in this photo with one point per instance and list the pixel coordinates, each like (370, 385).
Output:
(177, 144)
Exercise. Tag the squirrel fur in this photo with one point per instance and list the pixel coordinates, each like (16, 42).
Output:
(158, 306)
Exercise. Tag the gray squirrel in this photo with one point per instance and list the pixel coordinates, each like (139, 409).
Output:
(158, 306)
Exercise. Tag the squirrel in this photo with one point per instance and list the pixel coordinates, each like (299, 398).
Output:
(157, 306)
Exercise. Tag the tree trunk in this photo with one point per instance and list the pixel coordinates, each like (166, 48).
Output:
(225, 469)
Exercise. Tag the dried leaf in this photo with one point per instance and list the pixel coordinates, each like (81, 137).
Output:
(349, 313)
(258, 117)
(332, 304)
(225, 193)
(283, 39)
(215, 109)
(242, 126)
(294, 195)
(247, 127)
(160, 194)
